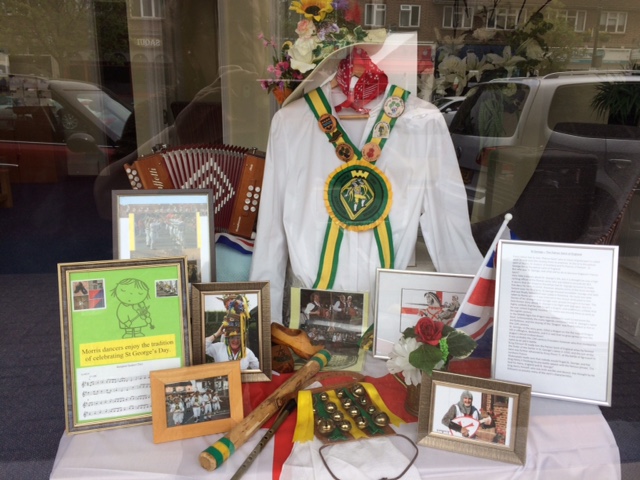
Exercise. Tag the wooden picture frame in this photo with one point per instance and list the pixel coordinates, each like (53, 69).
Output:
(179, 412)
(212, 304)
(166, 223)
(120, 320)
(402, 297)
(499, 432)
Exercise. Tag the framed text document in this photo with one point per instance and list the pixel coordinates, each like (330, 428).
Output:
(555, 318)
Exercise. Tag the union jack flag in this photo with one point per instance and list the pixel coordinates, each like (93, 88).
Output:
(475, 316)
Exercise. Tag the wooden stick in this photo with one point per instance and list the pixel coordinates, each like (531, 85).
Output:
(282, 416)
(212, 457)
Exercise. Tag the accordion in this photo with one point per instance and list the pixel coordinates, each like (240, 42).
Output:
(233, 173)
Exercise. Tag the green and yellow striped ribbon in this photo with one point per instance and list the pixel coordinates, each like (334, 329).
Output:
(334, 233)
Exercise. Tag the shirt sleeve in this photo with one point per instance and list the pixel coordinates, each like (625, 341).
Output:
(270, 251)
(444, 219)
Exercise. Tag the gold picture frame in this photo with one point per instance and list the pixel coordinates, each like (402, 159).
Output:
(195, 401)
(120, 320)
(217, 309)
(498, 427)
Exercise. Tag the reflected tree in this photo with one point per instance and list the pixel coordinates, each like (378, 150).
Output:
(59, 28)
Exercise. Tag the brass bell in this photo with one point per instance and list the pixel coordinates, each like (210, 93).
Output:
(381, 419)
(358, 390)
(364, 401)
(347, 402)
(354, 411)
(361, 422)
(340, 393)
(326, 426)
(337, 416)
(330, 407)
(344, 426)
(324, 396)
(371, 409)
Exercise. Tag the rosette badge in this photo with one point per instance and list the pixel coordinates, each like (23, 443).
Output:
(428, 346)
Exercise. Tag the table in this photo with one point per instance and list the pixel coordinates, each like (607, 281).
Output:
(566, 440)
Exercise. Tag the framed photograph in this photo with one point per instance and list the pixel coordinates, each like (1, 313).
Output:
(195, 401)
(232, 321)
(404, 297)
(555, 318)
(474, 416)
(120, 320)
(335, 319)
(166, 223)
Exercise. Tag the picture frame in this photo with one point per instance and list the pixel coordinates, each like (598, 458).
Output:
(212, 304)
(554, 322)
(335, 319)
(166, 223)
(120, 320)
(179, 412)
(402, 297)
(500, 430)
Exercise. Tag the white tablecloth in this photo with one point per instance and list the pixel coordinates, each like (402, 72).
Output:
(566, 440)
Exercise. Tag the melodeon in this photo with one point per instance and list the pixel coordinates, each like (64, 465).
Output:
(233, 173)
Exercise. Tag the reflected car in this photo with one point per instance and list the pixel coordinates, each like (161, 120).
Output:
(502, 128)
(54, 128)
(448, 106)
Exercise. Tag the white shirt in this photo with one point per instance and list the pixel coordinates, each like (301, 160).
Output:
(420, 164)
(218, 351)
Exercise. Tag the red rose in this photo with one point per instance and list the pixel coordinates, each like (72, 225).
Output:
(428, 331)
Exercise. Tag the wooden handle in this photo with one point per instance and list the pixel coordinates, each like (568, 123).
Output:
(217, 453)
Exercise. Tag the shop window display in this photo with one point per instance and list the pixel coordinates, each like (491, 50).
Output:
(190, 72)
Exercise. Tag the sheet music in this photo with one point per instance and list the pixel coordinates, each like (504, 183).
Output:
(111, 391)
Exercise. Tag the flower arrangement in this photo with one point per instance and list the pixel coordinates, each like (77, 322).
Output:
(428, 346)
(325, 26)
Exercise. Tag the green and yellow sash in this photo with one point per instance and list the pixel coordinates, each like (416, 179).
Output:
(357, 194)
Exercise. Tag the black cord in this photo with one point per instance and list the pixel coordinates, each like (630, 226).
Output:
(411, 462)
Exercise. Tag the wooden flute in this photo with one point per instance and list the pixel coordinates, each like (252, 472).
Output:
(212, 457)
(284, 413)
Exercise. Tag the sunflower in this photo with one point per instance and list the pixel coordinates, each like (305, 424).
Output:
(312, 9)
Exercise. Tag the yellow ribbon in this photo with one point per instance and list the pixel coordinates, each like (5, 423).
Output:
(304, 424)
(377, 400)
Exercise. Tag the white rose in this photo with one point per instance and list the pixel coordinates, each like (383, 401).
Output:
(301, 54)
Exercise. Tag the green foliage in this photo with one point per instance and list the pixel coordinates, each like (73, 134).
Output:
(620, 101)
(461, 343)
(426, 357)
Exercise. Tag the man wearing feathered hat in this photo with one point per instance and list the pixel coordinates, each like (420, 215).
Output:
(230, 347)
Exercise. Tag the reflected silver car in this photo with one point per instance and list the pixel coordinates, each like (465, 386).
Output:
(448, 106)
(502, 128)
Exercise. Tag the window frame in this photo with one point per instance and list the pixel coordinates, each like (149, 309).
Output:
(414, 17)
(507, 14)
(157, 9)
(461, 14)
(575, 18)
(609, 15)
(374, 10)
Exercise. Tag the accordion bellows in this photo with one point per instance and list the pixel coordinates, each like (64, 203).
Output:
(234, 174)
